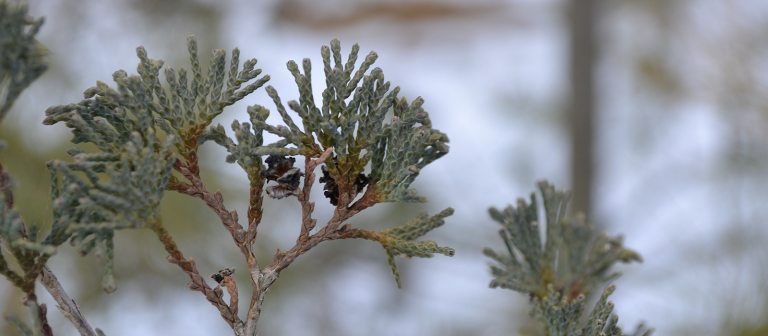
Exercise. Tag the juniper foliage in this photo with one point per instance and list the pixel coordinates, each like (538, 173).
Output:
(140, 138)
(380, 141)
(560, 268)
(21, 55)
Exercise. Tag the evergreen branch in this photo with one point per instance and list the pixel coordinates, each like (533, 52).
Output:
(89, 207)
(344, 136)
(560, 271)
(352, 121)
(562, 316)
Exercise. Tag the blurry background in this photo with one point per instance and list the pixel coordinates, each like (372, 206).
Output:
(654, 111)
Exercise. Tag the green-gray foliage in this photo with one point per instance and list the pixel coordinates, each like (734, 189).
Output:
(21, 55)
(352, 119)
(562, 316)
(140, 138)
(402, 239)
(560, 269)
(137, 129)
(374, 133)
(135, 126)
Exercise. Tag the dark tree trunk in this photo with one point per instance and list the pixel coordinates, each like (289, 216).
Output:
(581, 27)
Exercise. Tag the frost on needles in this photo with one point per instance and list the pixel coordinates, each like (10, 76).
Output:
(561, 268)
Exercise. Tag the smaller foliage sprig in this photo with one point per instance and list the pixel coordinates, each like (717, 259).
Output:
(22, 57)
(560, 269)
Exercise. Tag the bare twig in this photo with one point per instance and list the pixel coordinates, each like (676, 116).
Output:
(66, 305)
(224, 278)
(307, 207)
(255, 201)
(231, 286)
(262, 279)
(197, 283)
(215, 201)
(255, 211)
(283, 259)
(243, 239)
(269, 274)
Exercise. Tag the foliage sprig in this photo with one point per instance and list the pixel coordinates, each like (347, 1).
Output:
(22, 57)
(402, 239)
(560, 268)
(353, 120)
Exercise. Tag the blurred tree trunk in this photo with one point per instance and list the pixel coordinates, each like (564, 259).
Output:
(581, 27)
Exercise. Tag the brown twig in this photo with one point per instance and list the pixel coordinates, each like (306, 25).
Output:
(308, 207)
(284, 258)
(255, 202)
(214, 201)
(197, 283)
(332, 229)
(369, 199)
(264, 281)
(231, 286)
(261, 279)
(66, 305)
(243, 239)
